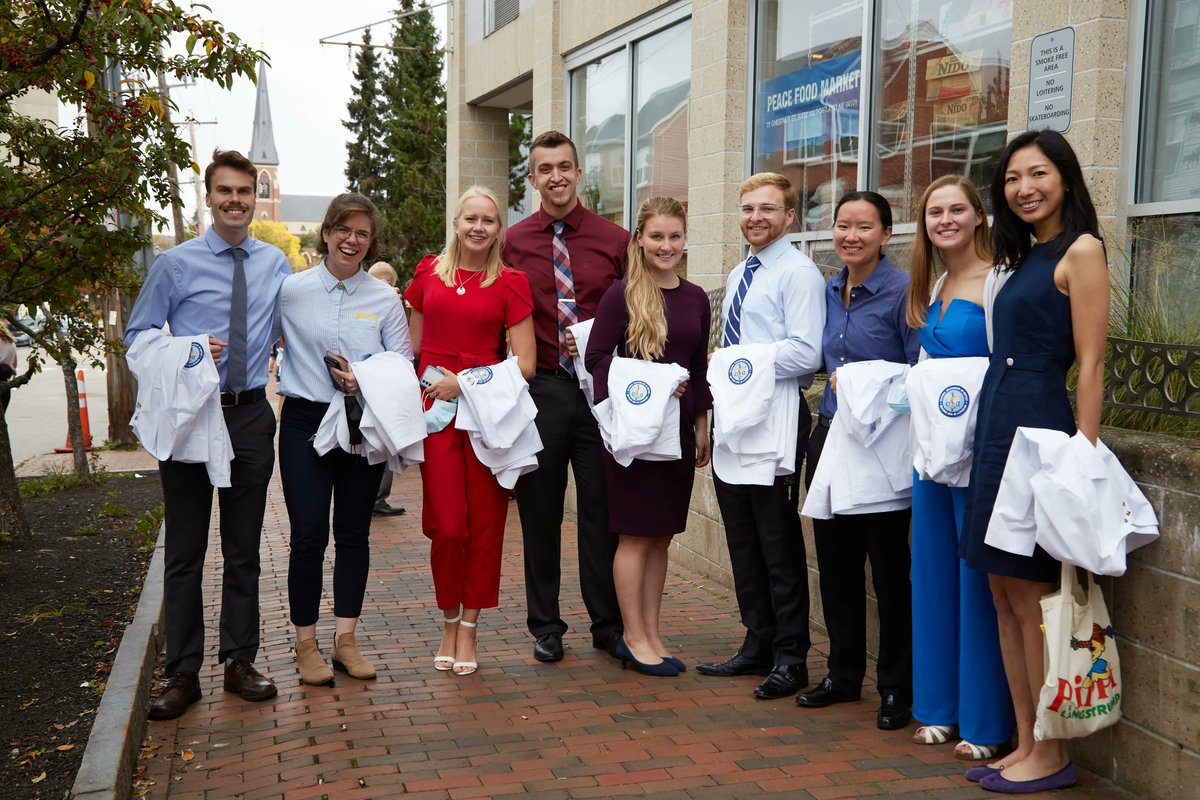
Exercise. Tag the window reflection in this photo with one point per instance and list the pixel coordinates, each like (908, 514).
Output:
(1169, 167)
(599, 100)
(663, 79)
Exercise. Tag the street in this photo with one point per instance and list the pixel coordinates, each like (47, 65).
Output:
(37, 415)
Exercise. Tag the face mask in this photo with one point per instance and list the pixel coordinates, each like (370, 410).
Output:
(439, 415)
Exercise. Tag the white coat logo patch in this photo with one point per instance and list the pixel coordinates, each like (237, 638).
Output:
(740, 371)
(478, 376)
(954, 401)
(195, 355)
(637, 392)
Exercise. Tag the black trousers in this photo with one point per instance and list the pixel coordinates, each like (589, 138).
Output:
(311, 484)
(770, 569)
(569, 435)
(844, 543)
(187, 495)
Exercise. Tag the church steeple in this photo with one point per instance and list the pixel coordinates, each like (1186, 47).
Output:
(262, 146)
(263, 154)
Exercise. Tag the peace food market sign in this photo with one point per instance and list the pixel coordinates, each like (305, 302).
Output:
(1051, 66)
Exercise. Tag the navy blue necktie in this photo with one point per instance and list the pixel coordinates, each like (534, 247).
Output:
(733, 324)
(235, 369)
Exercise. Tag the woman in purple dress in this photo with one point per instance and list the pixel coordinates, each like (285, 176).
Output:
(655, 315)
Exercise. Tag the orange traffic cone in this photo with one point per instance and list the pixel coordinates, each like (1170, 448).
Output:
(83, 419)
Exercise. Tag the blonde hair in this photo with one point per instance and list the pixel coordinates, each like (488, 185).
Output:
(760, 179)
(926, 259)
(6, 334)
(384, 272)
(646, 335)
(448, 260)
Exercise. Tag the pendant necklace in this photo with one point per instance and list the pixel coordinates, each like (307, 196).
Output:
(462, 285)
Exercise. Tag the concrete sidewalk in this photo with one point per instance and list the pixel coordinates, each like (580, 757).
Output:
(579, 728)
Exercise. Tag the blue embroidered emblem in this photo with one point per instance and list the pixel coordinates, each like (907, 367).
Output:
(477, 376)
(954, 401)
(195, 355)
(637, 392)
(740, 371)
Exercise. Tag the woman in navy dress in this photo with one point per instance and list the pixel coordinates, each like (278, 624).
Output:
(958, 676)
(653, 314)
(1052, 311)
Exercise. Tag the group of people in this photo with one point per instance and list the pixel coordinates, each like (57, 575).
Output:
(959, 646)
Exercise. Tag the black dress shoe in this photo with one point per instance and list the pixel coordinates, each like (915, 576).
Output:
(893, 713)
(738, 664)
(825, 695)
(783, 681)
(180, 691)
(607, 642)
(548, 647)
(385, 509)
(244, 680)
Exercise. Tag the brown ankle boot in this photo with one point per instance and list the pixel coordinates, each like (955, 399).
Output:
(313, 669)
(347, 659)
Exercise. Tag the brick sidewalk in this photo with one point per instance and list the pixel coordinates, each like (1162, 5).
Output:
(579, 728)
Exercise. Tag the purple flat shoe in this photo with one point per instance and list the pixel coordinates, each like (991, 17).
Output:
(996, 782)
(980, 771)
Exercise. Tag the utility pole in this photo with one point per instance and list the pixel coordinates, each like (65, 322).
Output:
(172, 170)
(192, 122)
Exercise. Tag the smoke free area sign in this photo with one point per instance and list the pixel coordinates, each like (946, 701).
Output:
(1051, 67)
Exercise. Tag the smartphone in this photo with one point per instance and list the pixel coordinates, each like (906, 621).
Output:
(430, 376)
(335, 361)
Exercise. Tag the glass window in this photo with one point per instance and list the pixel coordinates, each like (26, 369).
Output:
(599, 103)
(943, 95)
(1166, 276)
(808, 62)
(1169, 166)
(662, 73)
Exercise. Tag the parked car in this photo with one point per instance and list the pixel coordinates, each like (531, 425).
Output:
(21, 337)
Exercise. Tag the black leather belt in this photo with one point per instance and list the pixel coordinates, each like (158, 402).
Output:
(557, 372)
(230, 399)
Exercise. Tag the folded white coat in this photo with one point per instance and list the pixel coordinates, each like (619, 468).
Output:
(640, 418)
(178, 414)
(943, 396)
(581, 331)
(755, 415)
(1073, 499)
(866, 464)
(393, 423)
(497, 413)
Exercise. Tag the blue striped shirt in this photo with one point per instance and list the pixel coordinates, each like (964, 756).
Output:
(356, 318)
(189, 288)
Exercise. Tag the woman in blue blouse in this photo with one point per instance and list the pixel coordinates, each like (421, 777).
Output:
(865, 319)
(958, 673)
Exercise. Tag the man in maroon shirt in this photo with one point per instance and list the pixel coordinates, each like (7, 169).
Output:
(591, 253)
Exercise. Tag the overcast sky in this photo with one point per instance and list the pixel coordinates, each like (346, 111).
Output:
(309, 85)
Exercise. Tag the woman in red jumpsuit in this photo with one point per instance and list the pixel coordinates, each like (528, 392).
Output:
(464, 303)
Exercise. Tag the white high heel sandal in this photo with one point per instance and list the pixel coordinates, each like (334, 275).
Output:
(466, 667)
(446, 663)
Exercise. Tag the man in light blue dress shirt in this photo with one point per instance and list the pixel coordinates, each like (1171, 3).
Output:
(190, 288)
(776, 295)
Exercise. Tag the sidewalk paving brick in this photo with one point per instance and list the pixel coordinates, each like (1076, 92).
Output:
(580, 728)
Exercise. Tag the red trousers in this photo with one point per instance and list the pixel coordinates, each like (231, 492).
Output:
(464, 510)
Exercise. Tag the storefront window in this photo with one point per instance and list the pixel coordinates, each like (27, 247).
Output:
(1170, 140)
(941, 68)
(634, 150)
(663, 78)
(599, 100)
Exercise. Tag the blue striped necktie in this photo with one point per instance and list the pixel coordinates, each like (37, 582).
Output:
(733, 325)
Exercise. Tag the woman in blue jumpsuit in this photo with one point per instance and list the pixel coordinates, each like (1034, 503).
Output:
(958, 675)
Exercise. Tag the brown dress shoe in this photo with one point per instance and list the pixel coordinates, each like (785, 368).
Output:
(243, 679)
(180, 691)
(313, 669)
(347, 659)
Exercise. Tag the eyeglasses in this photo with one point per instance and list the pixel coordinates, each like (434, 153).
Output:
(765, 210)
(342, 232)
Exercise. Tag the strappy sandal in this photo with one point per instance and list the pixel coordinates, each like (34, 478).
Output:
(969, 751)
(466, 667)
(933, 734)
(446, 663)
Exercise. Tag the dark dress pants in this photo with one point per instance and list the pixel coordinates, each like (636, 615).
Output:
(311, 484)
(569, 435)
(187, 495)
(844, 543)
(770, 569)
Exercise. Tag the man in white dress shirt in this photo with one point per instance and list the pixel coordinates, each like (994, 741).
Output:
(775, 295)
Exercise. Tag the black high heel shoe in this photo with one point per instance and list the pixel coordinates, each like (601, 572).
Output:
(662, 669)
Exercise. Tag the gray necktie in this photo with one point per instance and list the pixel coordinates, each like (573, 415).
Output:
(235, 374)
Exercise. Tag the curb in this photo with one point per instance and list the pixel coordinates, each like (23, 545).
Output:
(112, 748)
